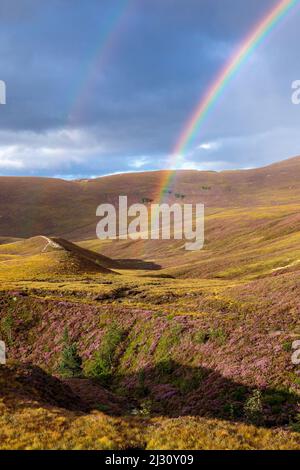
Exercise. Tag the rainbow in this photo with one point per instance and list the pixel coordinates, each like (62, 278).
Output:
(249, 45)
(108, 41)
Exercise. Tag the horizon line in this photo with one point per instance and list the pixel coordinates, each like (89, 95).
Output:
(161, 170)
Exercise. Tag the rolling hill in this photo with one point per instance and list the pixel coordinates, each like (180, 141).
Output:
(180, 350)
(252, 222)
(43, 257)
(30, 206)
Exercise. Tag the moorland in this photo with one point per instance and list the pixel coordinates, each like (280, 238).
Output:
(121, 344)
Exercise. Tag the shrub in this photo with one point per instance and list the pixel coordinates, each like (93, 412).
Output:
(190, 383)
(296, 424)
(144, 409)
(218, 335)
(279, 399)
(101, 365)
(179, 196)
(253, 407)
(7, 324)
(146, 406)
(214, 334)
(166, 367)
(231, 410)
(201, 337)
(142, 390)
(71, 362)
(287, 346)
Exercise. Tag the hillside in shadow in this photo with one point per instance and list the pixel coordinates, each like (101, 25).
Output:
(168, 389)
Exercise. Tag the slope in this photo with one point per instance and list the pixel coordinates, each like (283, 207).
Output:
(43, 257)
(30, 206)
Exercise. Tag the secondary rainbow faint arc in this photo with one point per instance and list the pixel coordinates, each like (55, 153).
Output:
(261, 30)
(103, 53)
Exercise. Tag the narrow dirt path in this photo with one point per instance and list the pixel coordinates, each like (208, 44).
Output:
(49, 243)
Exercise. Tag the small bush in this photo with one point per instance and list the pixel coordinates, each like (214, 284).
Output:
(218, 335)
(253, 408)
(146, 406)
(190, 383)
(287, 346)
(7, 324)
(166, 367)
(101, 365)
(201, 337)
(277, 399)
(238, 393)
(71, 362)
(231, 410)
(214, 334)
(170, 316)
(142, 390)
(144, 409)
(296, 424)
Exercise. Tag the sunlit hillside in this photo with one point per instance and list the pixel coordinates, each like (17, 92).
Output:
(123, 344)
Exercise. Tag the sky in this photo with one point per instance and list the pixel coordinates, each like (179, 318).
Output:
(107, 86)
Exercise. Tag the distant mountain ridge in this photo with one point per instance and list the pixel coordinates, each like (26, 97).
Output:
(30, 206)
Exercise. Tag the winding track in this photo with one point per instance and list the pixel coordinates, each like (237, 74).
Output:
(49, 243)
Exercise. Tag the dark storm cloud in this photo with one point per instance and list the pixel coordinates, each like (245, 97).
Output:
(67, 116)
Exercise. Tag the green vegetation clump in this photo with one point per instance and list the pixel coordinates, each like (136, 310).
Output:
(168, 340)
(287, 346)
(142, 389)
(214, 334)
(6, 327)
(101, 365)
(277, 399)
(296, 424)
(71, 363)
(218, 334)
(253, 408)
(201, 337)
(189, 383)
(144, 409)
